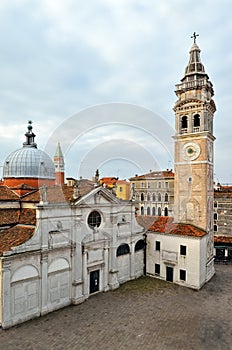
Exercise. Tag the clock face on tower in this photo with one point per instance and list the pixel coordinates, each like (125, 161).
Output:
(191, 151)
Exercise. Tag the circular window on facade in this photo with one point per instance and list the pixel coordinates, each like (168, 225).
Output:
(94, 219)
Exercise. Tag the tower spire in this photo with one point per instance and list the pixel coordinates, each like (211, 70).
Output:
(59, 165)
(195, 82)
(195, 68)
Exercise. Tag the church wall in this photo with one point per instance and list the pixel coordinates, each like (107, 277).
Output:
(123, 263)
(139, 263)
(58, 279)
(21, 288)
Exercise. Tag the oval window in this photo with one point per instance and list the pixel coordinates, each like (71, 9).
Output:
(94, 219)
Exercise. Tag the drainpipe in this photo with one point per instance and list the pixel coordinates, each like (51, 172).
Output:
(145, 255)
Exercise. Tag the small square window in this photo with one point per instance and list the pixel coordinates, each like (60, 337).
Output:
(157, 269)
(183, 250)
(182, 275)
(157, 245)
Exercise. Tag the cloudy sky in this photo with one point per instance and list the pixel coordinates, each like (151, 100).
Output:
(99, 76)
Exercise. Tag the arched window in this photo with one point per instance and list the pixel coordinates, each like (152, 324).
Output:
(165, 211)
(159, 197)
(123, 249)
(196, 121)
(215, 204)
(184, 123)
(153, 197)
(148, 211)
(215, 216)
(159, 211)
(215, 228)
(142, 197)
(153, 211)
(148, 197)
(166, 197)
(137, 196)
(142, 210)
(139, 245)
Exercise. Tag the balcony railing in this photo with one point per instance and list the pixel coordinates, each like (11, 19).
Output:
(191, 84)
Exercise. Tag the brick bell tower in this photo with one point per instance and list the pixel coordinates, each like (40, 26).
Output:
(194, 144)
(59, 165)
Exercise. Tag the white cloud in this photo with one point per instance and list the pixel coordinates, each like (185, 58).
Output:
(58, 57)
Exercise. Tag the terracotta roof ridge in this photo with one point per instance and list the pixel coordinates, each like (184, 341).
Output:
(29, 193)
(191, 225)
(25, 225)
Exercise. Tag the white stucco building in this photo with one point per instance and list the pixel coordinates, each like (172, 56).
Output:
(177, 253)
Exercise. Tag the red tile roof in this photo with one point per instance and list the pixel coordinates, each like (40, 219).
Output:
(6, 194)
(145, 221)
(14, 236)
(9, 217)
(222, 239)
(23, 223)
(27, 216)
(33, 197)
(165, 224)
(60, 194)
(222, 194)
(108, 181)
(155, 175)
(123, 182)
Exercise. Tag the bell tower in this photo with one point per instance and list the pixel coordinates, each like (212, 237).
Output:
(59, 165)
(194, 143)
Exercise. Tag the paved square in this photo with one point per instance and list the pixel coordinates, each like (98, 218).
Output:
(142, 314)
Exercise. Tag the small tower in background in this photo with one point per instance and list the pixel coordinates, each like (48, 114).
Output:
(59, 165)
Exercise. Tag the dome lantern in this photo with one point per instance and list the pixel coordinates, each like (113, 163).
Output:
(30, 136)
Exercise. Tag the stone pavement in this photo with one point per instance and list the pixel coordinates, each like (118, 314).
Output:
(142, 314)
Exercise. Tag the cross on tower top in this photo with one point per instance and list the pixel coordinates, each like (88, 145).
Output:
(194, 36)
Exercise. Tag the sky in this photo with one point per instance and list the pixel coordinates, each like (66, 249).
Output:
(99, 76)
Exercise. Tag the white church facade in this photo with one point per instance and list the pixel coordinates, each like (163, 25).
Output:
(89, 245)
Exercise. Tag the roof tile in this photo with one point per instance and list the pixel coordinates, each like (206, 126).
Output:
(6, 194)
(14, 236)
(165, 224)
(9, 216)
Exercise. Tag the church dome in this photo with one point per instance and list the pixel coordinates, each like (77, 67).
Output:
(29, 161)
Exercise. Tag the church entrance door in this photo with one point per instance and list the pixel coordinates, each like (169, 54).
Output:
(94, 281)
(169, 274)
